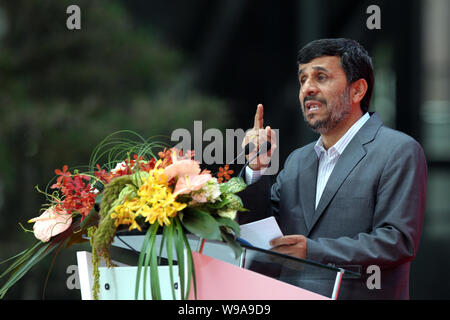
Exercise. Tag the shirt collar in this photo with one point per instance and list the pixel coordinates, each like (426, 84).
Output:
(342, 143)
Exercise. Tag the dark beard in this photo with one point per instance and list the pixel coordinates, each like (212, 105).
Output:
(321, 125)
(342, 112)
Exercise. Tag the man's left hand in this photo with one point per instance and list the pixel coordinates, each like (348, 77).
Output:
(293, 245)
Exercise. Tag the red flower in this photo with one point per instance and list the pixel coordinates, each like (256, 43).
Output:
(166, 157)
(104, 176)
(224, 173)
(62, 175)
(147, 166)
(77, 193)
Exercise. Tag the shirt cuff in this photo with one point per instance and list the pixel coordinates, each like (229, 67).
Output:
(251, 176)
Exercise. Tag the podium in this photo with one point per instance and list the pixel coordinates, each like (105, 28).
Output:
(257, 274)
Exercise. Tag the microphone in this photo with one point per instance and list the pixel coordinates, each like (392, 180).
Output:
(249, 147)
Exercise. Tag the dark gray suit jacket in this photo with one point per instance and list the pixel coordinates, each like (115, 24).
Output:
(370, 213)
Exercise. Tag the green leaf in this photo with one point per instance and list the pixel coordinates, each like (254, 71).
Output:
(191, 269)
(179, 248)
(230, 224)
(150, 263)
(182, 245)
(154, 278)
(98, 199)
(232, 243)
(92, 218)
(145, 266)
(168, 232)
(99, 185)
(229, 201)
(128, 192)
(140, 263)
(161, 246)
(14, 257)
(233, 202)
(137, 177)
(234, 185)
(219, 204)
(201, 223)
(21, 257)
(23, 268)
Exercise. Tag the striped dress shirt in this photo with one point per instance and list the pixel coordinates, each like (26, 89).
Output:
(327, 158)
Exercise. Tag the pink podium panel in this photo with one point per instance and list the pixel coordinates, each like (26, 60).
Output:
(218, 280)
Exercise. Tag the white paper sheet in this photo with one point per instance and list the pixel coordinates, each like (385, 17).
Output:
(261, 232)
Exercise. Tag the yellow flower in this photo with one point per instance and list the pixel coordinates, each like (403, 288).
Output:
(124, 214)
(155, 202)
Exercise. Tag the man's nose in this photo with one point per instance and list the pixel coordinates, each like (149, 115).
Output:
(309, 88)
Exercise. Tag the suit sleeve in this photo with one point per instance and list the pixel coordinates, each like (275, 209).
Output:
(397, 221)
(276, 187)
(275, 192)
(262, 197)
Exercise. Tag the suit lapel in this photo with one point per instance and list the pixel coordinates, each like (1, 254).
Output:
(347, 161)
(308, 182)
(351, 156)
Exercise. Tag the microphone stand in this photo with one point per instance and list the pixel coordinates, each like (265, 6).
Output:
(265, 146)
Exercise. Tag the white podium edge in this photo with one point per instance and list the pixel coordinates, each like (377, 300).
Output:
(84, 261)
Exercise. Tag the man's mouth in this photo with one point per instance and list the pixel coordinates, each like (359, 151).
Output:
(312, 105)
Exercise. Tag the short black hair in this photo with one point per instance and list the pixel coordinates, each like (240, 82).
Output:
(355, 61)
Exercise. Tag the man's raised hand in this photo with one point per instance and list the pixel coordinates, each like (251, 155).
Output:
(258, 136)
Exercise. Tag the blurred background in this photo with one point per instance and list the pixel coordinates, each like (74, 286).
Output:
(154, 66)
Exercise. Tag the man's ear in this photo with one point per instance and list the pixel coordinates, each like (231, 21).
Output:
(358, 90)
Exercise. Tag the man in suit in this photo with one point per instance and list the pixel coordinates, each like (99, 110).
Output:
(354, 197)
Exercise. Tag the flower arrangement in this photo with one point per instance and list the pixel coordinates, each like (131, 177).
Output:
(136, 188)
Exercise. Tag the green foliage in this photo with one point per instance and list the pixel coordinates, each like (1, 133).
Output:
(201, 223)
(234, 185)
(118, 146)
(23, 263)
(106, 228)
(103, 235)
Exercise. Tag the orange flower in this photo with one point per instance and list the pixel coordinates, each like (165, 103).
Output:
(224, 173)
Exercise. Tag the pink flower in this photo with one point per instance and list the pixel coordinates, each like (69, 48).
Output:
(191, 183)
(50, 223)
(182, 168)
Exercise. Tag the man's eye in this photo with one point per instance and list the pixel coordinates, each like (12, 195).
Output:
(321, 76)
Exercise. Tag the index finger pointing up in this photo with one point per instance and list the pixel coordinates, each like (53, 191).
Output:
(259, 122)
